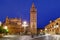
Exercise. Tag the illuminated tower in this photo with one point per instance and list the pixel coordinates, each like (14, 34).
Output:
(33, 20)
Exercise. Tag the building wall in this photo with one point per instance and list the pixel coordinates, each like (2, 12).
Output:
(53, 27)
(14, 25)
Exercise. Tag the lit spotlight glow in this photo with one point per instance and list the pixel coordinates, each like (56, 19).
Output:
(5, 27)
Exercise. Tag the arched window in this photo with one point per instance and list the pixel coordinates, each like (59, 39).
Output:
(56, 23)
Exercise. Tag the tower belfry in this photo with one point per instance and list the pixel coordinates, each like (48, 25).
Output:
(33, 19)
(33, 8)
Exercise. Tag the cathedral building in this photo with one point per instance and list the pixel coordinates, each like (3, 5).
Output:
(15, 25)
(53, 27)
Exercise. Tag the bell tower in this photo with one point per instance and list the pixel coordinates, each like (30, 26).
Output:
(33, 19)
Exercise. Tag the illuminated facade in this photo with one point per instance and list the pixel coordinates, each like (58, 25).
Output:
(33, 19)
(53, 27)
(14, 25)
(40, 31)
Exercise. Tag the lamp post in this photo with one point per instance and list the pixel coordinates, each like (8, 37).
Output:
(25, 24)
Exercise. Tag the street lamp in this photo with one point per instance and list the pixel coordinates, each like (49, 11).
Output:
(5, 27)
(45, 29)
(0, 23)
(25, 24)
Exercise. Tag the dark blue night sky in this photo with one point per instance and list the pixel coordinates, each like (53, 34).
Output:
(46, 9)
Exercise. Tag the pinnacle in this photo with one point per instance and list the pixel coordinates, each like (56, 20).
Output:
(33, 5)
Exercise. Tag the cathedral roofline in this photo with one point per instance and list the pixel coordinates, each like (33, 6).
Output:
(58, 19)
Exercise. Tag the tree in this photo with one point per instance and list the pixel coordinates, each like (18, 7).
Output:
(1, 29)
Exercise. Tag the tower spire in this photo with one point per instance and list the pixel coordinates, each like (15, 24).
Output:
(33, 6)
(33, 9)
(33, 19)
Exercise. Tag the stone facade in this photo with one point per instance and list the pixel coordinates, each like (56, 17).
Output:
(53, 27)
(15, 24)
(33, 19)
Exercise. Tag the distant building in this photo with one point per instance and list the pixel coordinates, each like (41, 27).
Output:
(53, 27)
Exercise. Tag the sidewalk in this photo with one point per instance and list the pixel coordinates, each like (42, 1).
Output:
(10, 36)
